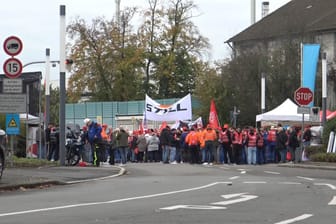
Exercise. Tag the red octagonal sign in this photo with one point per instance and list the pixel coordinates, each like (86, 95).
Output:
(303, 96)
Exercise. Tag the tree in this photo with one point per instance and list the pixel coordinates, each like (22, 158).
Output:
(174, 50)
(107, 58)
(238, 82)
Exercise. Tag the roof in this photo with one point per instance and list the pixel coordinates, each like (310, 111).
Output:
(297, 16)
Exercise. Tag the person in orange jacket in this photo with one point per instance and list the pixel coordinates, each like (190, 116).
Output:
(192, 140)
(209, 137)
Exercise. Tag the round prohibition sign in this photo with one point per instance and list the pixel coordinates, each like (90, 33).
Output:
(12, 68)
(13, 46)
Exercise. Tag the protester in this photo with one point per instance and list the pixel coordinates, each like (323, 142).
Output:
(225, 152)
(153, 143)
(262, 137)
(122, 138)
(237, 145)
(281, 141)
(192, 141)
(54, 145)
(209, 136)
(294, 145)
(166, 141)
(271, 139)
(95, 139)
(40, 141)
(251, 141)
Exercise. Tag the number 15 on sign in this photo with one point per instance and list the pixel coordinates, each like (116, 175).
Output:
(12, 68)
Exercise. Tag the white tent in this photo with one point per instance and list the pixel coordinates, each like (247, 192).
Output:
(287, 111)
(31, 119)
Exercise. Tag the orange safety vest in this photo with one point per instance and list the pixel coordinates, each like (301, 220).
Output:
(209, 135)
(192, 138)
(252, 140)
(223, 136)
(237, 138)
(271, 136)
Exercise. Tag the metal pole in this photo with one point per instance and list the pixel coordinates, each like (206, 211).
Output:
(47, 88)
(263, 92)
(324, 88)
(62, 87)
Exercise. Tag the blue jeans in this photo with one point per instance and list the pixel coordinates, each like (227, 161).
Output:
(252, 155)
(165, 153)
(209, 147)
(172, 150)
(122, 151)
(271, 153)
(261, 155)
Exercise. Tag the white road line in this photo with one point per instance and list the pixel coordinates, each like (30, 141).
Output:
(255, 182)
(112, 201)
(243, 171)
(326, 184)
(299, 218)
(271, 172)
(333, 201)
(233, 178)
(306, 178)
(224, 168)
(290, 183)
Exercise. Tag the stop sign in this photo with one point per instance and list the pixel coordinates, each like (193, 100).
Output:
(303, 96)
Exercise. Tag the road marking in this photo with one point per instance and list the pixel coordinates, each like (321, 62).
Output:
(233, 178)
(299, 218)
(271, 172)
(243, 171)
(333, 201)
(197, 207)
(112, 201)
(290, 183)
(255, 182)
(306, 178)
(325, 184)
(243, 196)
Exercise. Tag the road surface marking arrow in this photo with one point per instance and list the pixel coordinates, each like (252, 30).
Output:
(325, 184)
(243, 197)
(333, 201)
(296, 219)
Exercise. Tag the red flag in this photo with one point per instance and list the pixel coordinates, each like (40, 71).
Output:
(213, 118)
(163, 125)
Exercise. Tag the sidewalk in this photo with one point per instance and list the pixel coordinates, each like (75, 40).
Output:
(15, 178)
(310, 165)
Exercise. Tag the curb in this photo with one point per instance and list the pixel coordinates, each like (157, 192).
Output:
(35, 184)
(308, 166)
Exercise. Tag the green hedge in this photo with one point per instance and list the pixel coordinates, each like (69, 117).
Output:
(323, 157)
(329, 126)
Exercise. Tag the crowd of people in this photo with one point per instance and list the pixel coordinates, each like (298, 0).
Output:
(196, 145)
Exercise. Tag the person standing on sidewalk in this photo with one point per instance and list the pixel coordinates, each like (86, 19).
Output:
(122, 138)
(209, 136)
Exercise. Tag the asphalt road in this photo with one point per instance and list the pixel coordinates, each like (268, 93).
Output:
(183, 193)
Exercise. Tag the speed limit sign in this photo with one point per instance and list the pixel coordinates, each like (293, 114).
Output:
(12, 68)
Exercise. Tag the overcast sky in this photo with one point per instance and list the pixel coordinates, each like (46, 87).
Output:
(36, 23)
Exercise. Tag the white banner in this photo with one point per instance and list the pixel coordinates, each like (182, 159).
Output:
(181, 110)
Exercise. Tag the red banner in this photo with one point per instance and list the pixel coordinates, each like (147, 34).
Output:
(213, 117)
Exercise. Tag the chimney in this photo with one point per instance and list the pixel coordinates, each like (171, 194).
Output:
(253, 11)
(264, 9)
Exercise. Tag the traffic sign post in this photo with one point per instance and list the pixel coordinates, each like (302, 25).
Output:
(13, 46)
(303, 96)
(12, 68)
